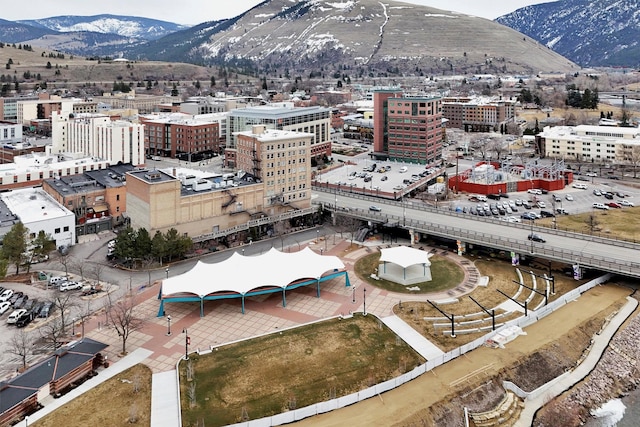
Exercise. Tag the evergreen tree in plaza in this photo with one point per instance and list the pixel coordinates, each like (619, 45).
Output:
(14, 244)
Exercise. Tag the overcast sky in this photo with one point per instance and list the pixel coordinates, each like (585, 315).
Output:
(193, 12)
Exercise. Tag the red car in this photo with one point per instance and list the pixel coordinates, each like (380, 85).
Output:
(614, 205)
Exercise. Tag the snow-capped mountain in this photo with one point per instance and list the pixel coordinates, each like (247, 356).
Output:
(127, 26)
(368, 35)
(589, 32)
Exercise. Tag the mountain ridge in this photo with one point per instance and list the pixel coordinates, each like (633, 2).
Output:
(588, 32)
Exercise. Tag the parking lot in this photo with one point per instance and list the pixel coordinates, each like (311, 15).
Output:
(383, 178)
(569, 200)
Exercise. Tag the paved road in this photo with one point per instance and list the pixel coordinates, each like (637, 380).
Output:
(604, 254)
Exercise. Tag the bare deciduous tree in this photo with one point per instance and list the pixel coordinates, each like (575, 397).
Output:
(122, 316)
(592, 222)
(20, 345)
(349, 225)
(64, 301)
(52, 333)
(65, 261)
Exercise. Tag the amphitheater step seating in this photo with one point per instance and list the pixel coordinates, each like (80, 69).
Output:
(505, 414)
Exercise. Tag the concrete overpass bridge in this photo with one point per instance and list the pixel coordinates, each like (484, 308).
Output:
(610, 255)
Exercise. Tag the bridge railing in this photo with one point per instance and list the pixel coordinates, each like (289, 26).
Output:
(412, 205)
(516, 245)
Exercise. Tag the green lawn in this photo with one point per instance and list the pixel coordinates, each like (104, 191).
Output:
(445, 275)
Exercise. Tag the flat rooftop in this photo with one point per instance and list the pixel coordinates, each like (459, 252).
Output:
(33, 204)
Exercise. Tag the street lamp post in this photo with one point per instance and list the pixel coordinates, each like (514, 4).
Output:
(167, 271)
(353, 300)
(364, 302)
(317, 236)
(168, 325)
(73, 326)
(186, 344)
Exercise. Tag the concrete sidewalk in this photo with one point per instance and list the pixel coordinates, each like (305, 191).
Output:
(419, 343)
(556, 388)
(165, 402)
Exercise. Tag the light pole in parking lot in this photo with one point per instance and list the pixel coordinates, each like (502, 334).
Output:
(167, 271)
(168, 325)
(73, 326)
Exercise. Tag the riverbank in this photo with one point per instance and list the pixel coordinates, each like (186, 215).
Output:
(615, 375)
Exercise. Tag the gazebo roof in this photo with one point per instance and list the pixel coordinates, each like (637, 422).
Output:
(242, 274)
(404, 256)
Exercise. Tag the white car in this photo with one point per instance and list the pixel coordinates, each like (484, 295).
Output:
(13, 317)
(626, 203)
(601, 206)
(580, 186)
(542, 204)
(4, 306)
(6, 295)
(591, 174)
(70, 286)
(569, 197)
(534, 191)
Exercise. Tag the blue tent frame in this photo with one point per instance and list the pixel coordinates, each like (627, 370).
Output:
(270, 290)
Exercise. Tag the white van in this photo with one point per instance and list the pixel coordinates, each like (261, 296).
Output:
(481, 198)
(56, 280)
(580, 186)
(403, 169)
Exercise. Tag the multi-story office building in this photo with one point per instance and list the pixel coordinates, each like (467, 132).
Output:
(601, 144)
(407, 128)
(131, 101)
(182, 135)
(473, 114)
(9, 106)
(96, 135)
(281, 159)
(282, 116)
(98, 198)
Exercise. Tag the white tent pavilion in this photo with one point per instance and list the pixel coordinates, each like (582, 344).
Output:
(404, 265)
(240, 276)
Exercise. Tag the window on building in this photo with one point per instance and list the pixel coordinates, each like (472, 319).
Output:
(57, 231)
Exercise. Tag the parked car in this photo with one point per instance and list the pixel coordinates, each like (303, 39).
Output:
(6, 295)
(608, 195)
(46, 309)
(15, 297)
(547, 214)
(541, 204)
(557, 198)
(614, 205)
(597, 192)
(591, 174)
(600, 206)
(528, 215)
(626, 203)
(580, 186)
(19, 303)
(24, 320)
(56, 280)
(562, 211)
(536, 238)
(70, 286)
(13, 317)
(536, 191)
(4, 306)
(569, 197)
